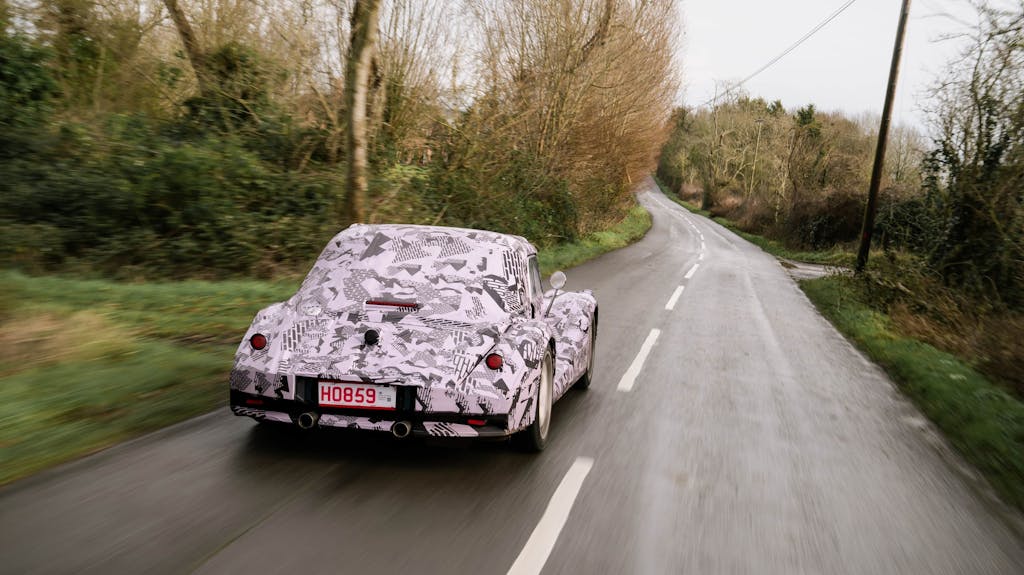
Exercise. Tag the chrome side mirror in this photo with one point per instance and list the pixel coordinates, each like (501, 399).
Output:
(557, 281)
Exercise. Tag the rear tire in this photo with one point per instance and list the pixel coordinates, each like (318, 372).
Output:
(584, 381)
(535, 437)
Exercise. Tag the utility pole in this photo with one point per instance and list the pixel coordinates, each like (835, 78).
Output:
(883, 135)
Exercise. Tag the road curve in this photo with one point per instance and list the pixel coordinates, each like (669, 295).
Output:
(729, 429)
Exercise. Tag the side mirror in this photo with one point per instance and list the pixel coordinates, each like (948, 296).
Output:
(557, 281)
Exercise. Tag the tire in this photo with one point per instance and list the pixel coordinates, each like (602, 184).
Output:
(584, 381)
(535, 437)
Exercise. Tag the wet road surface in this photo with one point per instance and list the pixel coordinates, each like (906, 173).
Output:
(729, 429)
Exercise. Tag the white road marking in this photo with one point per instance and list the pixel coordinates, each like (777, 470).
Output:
(692, 271)
(671, 305)
(702, 245)
(701, 257)
(629, 378)
(538, 547)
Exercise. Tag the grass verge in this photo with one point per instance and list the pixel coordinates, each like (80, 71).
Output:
(85, 363)
(983, 422)
(630, 229)
(833, 257)
(88, 363)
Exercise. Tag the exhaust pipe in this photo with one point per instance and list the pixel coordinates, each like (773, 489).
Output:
(308, 420)
(401, 429)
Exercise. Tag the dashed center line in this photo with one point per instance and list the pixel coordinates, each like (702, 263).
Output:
(692, 271)
(671, 305)
(629, 378)
(538, 547)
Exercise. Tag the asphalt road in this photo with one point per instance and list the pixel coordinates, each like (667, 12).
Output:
(752, 439)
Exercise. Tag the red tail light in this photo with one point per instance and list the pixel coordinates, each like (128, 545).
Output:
(494, 361)
(476, 422)
(258, 341)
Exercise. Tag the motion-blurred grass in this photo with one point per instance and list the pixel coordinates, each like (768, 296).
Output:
(86, 363)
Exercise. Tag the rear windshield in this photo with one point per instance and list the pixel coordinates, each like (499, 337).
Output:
(455, 276)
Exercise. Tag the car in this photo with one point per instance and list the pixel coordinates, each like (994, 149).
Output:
(419, 330)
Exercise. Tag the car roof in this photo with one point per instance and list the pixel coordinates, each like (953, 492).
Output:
(413, 232)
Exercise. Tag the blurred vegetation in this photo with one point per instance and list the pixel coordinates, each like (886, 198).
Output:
(126, 153)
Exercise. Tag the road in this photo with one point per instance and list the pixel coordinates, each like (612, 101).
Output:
(749, 438)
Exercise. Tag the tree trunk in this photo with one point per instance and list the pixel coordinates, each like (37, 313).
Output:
(195, 54)
(357, 79)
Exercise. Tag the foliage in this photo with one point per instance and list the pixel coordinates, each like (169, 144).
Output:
(209, 144)
(831, 257)
(975, 171)
(132, 200)
(633, 227)
(794, 177)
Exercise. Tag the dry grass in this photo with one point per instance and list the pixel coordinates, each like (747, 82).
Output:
(39, 339)
(987, 335)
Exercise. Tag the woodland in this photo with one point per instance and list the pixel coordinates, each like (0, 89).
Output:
(169, 139)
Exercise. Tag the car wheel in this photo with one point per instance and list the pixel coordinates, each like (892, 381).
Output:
(588, 376)
(535, 437)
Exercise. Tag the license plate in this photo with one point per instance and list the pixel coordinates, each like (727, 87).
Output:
(361, 395)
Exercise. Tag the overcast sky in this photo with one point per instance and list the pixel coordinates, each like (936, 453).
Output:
(843, 67)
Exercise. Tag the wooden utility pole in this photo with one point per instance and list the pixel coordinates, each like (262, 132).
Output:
(883, 135)
(365, 15)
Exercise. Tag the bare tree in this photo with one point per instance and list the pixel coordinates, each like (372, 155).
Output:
(362, 47)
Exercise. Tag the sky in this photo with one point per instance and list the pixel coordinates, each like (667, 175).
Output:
(845, 66)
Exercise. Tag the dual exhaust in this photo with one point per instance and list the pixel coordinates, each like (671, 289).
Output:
(309, 419)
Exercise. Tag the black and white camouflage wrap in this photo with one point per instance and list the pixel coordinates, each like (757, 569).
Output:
(474, 296)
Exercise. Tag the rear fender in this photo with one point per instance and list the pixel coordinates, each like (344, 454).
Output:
(527, 342)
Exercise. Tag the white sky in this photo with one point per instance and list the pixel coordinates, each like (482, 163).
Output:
(843, 67)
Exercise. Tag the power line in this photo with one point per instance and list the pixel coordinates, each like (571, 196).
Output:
(803, 39)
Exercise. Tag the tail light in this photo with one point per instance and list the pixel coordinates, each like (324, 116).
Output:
(258, 341)
(494, 361)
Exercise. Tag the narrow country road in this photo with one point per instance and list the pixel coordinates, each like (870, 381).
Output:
(729, 429)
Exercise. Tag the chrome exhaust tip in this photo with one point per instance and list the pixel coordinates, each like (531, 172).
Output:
(308, 420)
(401, 429)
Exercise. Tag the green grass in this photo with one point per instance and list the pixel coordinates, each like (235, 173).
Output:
(983, 422)
(53, 413)
(564, 256)
(86, 363)
(833, 257)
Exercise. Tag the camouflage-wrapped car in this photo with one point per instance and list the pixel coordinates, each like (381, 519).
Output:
(419, 330)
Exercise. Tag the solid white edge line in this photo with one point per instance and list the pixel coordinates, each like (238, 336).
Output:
(538, 547)
(692, 271)
(675, 297)
(629, 378)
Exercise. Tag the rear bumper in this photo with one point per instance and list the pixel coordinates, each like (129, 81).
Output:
(424, 424)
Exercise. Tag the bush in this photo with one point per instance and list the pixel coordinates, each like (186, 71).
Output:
(145, 203)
